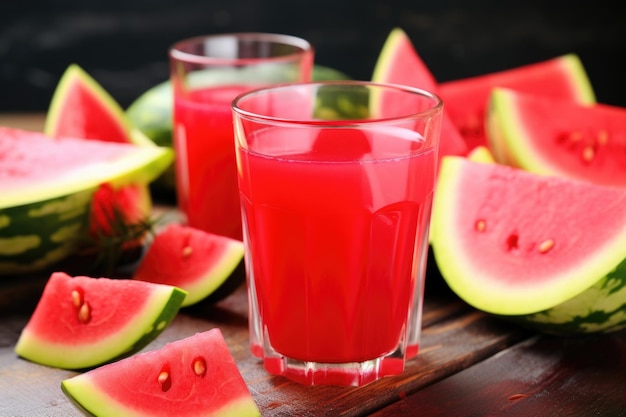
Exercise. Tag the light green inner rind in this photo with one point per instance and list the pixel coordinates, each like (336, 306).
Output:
(87, 396)
(218, 273)
(141, 165)
(579, 79)
(142, 327)
(488, 293)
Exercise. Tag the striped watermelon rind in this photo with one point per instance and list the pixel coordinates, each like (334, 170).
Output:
(118, 327)
(42, 223)
(575, 286)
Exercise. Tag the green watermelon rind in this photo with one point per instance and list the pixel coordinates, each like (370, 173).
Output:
(219, 272)
(599, 309)
(449, 256)
(35, 236)
(140, 330)
(140, 165)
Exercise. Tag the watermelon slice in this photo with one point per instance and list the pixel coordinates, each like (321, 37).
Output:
(47, 186)
(547, 251)
(196, 376)
(399, 63)
(194, 260)
(558, 137)
(466, 99)
(82, 108)
(81, 322)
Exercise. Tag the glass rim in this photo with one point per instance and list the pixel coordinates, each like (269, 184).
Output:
(436, 107)
(177, 53)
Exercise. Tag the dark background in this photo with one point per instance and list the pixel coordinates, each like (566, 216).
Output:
(123, 44)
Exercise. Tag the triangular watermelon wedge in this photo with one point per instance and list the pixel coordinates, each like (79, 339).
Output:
(514, 243)
(82, 108)
(195, 376)
(558, 137)
(399, 63)
(467, 98)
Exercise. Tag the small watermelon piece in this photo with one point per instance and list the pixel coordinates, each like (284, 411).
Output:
(558, 137)
(197, 261)
(195, 376)
(467, 98)
(82, 108)
(81, 322)
(546, 251)
(399, 63)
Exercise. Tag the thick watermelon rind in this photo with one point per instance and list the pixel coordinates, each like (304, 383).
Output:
(487, 293)
(599, 309)
(138, 332)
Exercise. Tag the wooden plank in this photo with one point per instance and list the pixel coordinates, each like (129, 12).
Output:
(544, 376)
(458, 338)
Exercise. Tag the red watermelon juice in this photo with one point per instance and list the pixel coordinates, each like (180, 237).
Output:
(207, 185)
(336, 235)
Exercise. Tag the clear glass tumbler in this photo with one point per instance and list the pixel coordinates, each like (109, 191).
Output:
(207, 73)
(336, 182)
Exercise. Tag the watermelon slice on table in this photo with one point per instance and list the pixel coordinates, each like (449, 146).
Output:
(81, 322)
(195, 376)
(548, 252)
(47, 187)
(558, 137)
(399, 63)
(203, 264)
(467, 99)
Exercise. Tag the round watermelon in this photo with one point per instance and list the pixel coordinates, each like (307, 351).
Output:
(81, 322)
(545, 251)
(558, 137)
(195, 376)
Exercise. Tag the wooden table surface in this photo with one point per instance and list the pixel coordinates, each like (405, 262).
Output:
(470, 364)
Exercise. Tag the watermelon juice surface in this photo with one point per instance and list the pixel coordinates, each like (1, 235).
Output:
(335, 236)
(207, 185)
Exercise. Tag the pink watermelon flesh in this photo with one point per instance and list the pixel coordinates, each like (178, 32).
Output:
(560, 137)
(196, 376)
(194, 260)
(82, 108)
(80, 322)
(32, 158)
(513, 242)
(400, 63)
(466, 99)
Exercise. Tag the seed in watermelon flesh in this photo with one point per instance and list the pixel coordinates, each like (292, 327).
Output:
(399, 63)
(558, 137)
(82, 322)
(548, 252)
(467, 98)
(195, 376)
(199, 262)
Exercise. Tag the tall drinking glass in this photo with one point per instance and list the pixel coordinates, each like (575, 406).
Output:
(207, 73)
(336, 181)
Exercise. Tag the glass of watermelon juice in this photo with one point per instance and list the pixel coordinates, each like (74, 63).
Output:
(336, 181)
(207, 72)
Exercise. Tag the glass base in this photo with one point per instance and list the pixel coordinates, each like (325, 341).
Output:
(344, 374)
